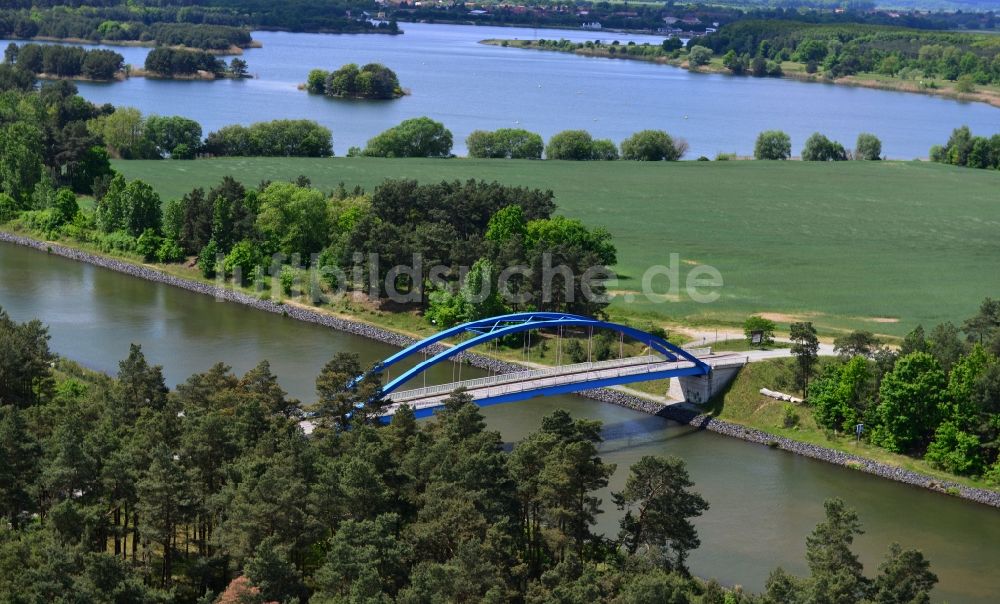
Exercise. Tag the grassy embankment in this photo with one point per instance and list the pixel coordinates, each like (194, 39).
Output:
(881, 246)
(742, 403)
(797, 71)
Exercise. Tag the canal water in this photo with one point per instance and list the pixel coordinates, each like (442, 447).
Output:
(467, 86)
(763, 502)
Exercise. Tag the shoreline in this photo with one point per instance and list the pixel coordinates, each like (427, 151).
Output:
(680, 413)
(856, 81)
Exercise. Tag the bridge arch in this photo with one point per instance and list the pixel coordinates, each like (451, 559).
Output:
(493, 328)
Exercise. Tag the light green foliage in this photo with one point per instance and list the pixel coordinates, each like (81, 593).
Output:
(124, 131)
(505, 143)
(148, 244)
(65, 205)
(477, 298)
(820, 148)
(287, 277)
(207, 261)
(772, 144)
(293, 219)
(169, 251)
(570, 144)
(21, 148)
(953, 450)
(316, 81)
(417, 137)
(9, 208)
(910, 401)
(506, 224)
(166, 133)
(603, 149)
(652, 145)
(569, 232)
(245, 257)
(868, 147)
(758, 323)
(699, 55)
(277, 138)
(841, 397)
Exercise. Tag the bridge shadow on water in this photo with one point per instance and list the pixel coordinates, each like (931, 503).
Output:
(622, 436)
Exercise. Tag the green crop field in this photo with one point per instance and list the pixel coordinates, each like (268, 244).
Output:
(875, 245)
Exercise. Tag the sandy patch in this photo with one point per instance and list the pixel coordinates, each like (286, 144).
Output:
(882, 319)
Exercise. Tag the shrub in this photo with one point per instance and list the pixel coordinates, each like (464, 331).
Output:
(505, 143)
(316, 81)
(169, 251)
(117, 241)
(820, 148)
(699, 55)
(580, 146)
(46, 221)
(757, 323)
(965, 84)
(603, 150)
(245, 257)
(287, 277)
(182, 151)
(650, 145)
(570, 144)
(9, 208)
(789, 417)
(772, 144)
(953, 450)
(148, 244)
(207, 261)
(417, 137)
(868, 147)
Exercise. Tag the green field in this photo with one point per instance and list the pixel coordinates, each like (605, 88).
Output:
(875, 245)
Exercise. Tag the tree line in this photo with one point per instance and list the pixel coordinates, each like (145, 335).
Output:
(212, 24)
(65, 61)
(372, 81)
(777, 145)
(964, 149)
(170, 62)
(120, 489)
(846, 49)
(119, 24)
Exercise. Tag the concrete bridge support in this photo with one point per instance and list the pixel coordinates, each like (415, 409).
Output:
(700, 389)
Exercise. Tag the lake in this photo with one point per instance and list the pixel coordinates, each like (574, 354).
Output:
(467, 86)
(763, 502)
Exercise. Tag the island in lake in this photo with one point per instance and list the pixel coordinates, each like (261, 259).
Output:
(373, 81)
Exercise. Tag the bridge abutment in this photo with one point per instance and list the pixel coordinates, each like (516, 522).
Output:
(699, 389)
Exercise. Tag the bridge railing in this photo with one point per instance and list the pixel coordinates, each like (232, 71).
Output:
(519, 376)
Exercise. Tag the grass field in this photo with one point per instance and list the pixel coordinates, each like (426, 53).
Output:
(875, 245)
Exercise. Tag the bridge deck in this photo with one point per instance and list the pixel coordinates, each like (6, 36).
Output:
(510, 385)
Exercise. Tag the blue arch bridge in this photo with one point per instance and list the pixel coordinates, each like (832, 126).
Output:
(701, 373)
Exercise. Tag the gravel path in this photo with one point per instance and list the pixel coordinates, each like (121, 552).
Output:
(676, 412)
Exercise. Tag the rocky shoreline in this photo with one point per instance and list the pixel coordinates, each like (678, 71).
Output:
(675, 412)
